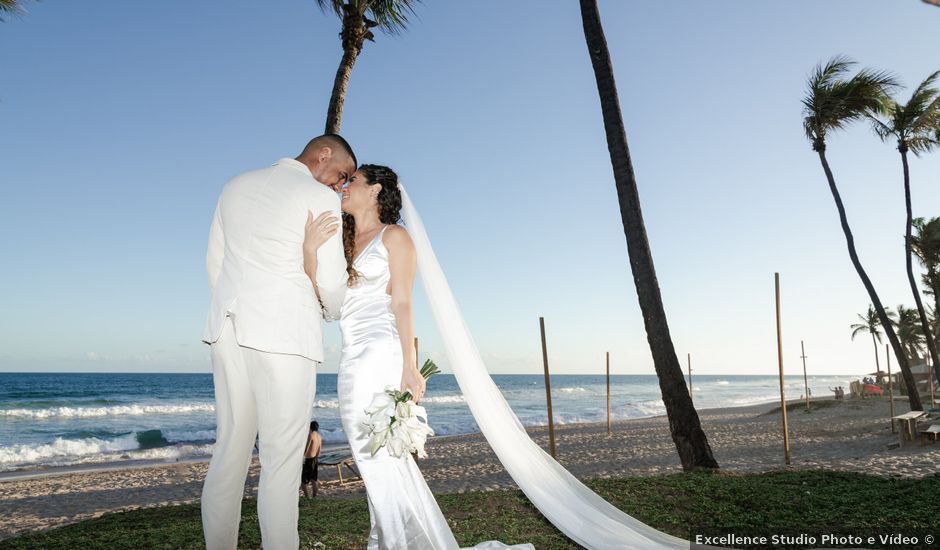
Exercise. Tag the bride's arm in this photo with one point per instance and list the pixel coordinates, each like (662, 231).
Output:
(316, 232)
(402, 265)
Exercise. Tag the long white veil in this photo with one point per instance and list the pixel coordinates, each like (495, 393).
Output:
(575, 510)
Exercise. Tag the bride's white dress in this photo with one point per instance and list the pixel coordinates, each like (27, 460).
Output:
(402, 509)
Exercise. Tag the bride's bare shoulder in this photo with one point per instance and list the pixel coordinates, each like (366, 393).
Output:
(396, 237)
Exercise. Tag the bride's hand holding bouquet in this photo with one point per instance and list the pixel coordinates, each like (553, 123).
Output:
(396, 421)
(414, 382)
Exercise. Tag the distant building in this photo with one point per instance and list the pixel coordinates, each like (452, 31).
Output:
(922, 374)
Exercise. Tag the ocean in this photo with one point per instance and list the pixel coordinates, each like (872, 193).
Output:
(55, 419)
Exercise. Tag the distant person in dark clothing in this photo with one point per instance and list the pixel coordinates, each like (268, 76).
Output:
(308, 476)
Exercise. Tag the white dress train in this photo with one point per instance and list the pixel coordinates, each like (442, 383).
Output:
(402, 509)
(572, 507)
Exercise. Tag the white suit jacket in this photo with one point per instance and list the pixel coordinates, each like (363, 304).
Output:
(255, 262)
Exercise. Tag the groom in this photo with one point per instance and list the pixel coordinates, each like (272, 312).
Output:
(265, 331)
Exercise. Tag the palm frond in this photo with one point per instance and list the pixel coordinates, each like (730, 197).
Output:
(925, 93)
(11, 7)
(925, 243)
(866, 92)
(915, 124)
(336, 6)
(831, 102)
(927, 122)
(391, 16)
(922, 144)
(870, 323)
(906, 316)
(881, 129)
(817, 98)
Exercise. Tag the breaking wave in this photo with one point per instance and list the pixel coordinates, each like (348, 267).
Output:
(114, 410)
(146, 444)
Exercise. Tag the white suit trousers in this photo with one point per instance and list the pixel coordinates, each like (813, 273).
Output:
(271, 395)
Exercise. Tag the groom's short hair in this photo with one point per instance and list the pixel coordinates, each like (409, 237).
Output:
(335, 141)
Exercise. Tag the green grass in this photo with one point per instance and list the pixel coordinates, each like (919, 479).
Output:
(784, 501)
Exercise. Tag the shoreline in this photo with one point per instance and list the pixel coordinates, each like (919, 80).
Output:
(850, 435)
(41, 471)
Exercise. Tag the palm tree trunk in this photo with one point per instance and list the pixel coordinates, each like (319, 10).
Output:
(936, 306)
(903, 364)
(925, 325)
(875, 342)
(687, 434)
(936, 292)
(334, 113)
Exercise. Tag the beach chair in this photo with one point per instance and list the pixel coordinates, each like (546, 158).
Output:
(855, 389)
(339, 458)
(929, 433)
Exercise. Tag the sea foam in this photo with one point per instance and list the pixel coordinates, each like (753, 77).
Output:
(149, 444)
(115, 410)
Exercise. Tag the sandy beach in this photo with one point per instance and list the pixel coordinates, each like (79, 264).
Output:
(852, 435)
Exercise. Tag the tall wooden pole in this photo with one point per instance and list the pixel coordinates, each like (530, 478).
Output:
(688, 357)
(548, 389)
(890, 387)
(805, 383)
(929, 369)
(783, 402)
(608, 393)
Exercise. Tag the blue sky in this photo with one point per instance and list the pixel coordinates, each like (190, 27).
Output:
(122, 121)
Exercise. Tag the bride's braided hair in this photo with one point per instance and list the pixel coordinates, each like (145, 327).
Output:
(388, 203)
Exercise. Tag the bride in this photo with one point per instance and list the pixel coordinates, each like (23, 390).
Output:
(378, 351)
(376, 323)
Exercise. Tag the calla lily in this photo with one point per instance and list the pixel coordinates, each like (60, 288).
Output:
(397, 423)
(378, 439)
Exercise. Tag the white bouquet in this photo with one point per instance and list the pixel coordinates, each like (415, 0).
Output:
(397, 423)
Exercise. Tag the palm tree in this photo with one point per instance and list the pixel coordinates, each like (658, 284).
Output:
(831, 103)
(906, 322)
(926, 245)
(915, 125)
(869, 323)
(934, 322)
(359, 17)
(687, 434)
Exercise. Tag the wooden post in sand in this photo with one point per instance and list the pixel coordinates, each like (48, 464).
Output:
(783, 401)
(933, 403)
(417, 361)
(688, 357)
(608, 393)
(890, 387)
(805, 383)
(548, 389)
